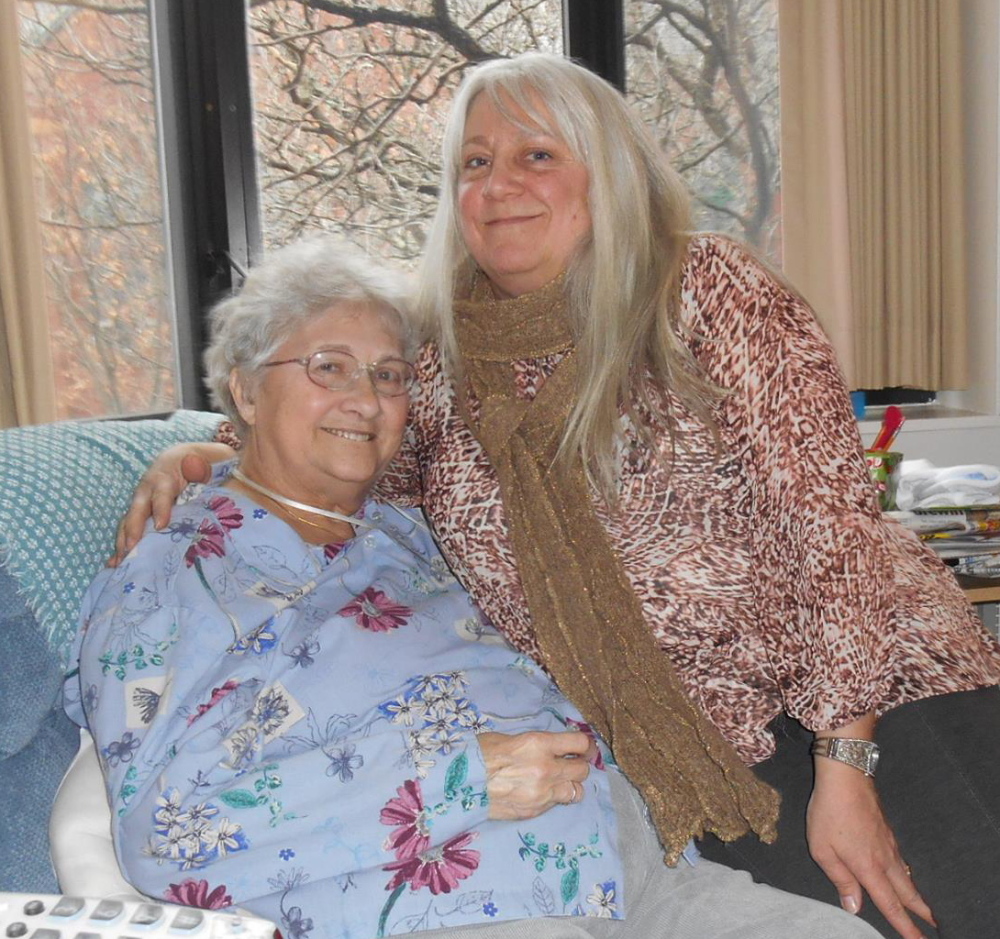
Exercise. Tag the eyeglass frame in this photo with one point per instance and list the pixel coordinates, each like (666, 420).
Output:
(352, 379)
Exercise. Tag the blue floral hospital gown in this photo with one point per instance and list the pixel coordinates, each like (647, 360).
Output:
(292, 729)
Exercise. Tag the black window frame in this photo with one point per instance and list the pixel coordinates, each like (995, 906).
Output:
(207, 141)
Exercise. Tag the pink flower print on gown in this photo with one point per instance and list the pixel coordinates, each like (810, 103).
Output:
(373, 610)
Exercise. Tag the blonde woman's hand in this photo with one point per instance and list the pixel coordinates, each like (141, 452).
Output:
(160, 486)
(527, 774)
(851, 840)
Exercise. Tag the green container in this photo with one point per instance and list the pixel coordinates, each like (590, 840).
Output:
(883, 467)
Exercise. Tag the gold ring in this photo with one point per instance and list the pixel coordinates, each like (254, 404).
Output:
(906, 867)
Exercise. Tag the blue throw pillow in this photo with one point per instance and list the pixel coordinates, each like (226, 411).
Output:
(31, 672)
(29, 780)
(37, 744)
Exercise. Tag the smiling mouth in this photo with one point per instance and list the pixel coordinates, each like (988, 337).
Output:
(511, 219)
(356, 435)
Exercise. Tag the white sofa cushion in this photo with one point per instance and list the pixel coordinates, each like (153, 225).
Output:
(83, 854)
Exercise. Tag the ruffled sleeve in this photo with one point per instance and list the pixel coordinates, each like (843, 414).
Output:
(827, 570)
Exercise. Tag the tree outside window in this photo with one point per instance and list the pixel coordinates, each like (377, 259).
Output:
(351, 99)
(704, 75)
(349, 103)
(91, 101)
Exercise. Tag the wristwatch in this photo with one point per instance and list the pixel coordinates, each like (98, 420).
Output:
(861, 754)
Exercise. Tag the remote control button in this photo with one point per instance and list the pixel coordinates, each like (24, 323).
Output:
(16, 930)
(34, 907)
(67, 906)
(46, 934)
(106, 911)
(188, 920)
(147, 914)
(87, 935)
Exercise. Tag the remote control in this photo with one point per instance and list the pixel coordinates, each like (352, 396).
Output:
(51, 916)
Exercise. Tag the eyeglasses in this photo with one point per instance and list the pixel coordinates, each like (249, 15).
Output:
(336, 370)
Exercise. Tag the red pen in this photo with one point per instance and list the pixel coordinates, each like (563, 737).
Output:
(891, 423)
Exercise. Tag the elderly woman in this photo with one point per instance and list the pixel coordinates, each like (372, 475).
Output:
(628, 438)
(299, 710)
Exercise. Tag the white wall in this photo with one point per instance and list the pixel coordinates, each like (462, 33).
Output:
(946, 441)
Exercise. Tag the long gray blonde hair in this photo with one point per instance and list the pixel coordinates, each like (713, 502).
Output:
(623, 286)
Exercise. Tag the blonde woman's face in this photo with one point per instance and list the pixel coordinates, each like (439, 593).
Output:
(522, 199)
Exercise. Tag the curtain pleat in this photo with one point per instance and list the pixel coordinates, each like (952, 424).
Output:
(889, 285)
(816, 237)
(27, 388)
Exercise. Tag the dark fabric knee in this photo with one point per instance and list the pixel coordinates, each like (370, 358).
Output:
(939, 781)
(786, 864)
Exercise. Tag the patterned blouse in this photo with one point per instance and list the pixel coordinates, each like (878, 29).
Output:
(292, 729)
(765, 569)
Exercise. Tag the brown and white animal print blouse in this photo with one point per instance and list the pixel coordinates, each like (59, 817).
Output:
(767, 572)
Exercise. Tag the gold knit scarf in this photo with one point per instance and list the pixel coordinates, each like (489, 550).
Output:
(589, 623)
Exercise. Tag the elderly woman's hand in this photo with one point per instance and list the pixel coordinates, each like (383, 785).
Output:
(527, 774)
(160, 486)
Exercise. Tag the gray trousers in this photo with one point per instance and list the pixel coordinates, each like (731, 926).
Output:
(704, 901)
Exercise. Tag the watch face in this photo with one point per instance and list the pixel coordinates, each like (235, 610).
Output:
(860, 753)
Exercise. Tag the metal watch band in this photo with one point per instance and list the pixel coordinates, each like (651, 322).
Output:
(861, 754)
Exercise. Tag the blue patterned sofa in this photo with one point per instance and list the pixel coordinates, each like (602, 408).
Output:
(63, 487)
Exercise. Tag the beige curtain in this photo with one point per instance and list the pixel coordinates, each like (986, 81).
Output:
(872, 183)
(27, 388)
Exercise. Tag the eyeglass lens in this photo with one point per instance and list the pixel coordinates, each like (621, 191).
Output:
(337, 370)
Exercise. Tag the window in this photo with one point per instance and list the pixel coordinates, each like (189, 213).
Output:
(704, 75)
(343, 134)
(89, 83)
(349, 113)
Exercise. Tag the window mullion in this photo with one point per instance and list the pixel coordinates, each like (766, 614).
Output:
(206, 132)
(594, 34)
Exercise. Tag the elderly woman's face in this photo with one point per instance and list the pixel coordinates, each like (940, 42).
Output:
(320, 446)
(522, 199)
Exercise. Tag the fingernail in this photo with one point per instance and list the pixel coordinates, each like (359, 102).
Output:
(850, 904)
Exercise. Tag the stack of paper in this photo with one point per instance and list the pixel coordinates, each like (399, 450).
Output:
(967, 538)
